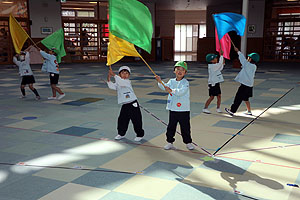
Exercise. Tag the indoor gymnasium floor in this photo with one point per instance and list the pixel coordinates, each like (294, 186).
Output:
(65, 150)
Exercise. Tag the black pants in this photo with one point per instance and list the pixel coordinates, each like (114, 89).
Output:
(243, 94)
(130, 112)
(184, 121)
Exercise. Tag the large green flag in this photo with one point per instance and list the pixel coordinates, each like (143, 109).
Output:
(56, 41)
(131, 20)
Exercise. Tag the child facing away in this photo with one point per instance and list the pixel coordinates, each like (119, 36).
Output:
(22, 60)
(50, 65)
(246, 78)
(215, 77)
(178, 105)
(130, 107)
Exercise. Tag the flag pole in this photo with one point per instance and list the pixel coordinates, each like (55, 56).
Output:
(232, 43)
(148, 65)
(153, 73)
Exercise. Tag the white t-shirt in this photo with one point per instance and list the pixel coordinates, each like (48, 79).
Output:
(124, 89)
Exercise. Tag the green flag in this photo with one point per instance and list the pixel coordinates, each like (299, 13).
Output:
(131, 20)
(56, 41)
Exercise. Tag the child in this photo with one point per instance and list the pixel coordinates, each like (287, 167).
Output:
(246, 78)
(50, 65)
(214, 79)
(178, 106)
(130, 107)
(22, 60)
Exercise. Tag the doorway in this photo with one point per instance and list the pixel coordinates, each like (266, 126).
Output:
(86, 30)
(186, 38)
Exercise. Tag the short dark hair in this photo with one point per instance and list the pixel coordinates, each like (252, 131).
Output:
(124, 70)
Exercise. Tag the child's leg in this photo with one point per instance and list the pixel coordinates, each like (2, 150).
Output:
(185, 127)
(219, 101)
(123, 119)
(53, 90)
(34, 90)
(237, 100)
(171, 126)
(22, 87)
(248, 106)
(57, 89)
(209, 100)
(136, 118)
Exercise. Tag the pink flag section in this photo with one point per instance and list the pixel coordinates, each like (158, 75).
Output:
(225, 44)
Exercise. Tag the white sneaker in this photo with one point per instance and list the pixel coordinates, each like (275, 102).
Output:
(137, 139)
(219, 110)
(61, 96)
(51, 98)
(22, 97)
(248, 113)
(206, 111)
(37, 98)
(190, 146)
(229, 111)
(169, 146)
(119, 137)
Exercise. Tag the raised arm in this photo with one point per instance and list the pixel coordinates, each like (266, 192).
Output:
(220, 64)
(45, 55)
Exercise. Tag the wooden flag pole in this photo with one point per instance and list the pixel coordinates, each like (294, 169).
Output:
(153, 73)
(232, 43)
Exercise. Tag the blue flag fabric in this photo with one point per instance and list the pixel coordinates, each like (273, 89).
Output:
(226, 22)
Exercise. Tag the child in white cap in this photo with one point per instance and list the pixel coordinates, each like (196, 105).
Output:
(51, 66)
(215, 77)
(130, 107)
(178, 105)
(22, 60)
(246, 78)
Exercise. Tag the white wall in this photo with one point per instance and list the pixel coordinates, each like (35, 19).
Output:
(256, 15)
(44, 13)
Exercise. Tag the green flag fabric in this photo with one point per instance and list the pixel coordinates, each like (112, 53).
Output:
(131, 20)
(56, 40)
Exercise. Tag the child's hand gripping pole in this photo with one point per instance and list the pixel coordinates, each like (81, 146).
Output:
(156, 75)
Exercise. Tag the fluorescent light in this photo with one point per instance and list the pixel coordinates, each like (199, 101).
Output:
(7, 2)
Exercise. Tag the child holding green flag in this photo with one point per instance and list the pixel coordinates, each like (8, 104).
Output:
(50, 65)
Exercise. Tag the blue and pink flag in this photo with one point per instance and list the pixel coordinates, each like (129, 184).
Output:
(225, 43)
(226, 22)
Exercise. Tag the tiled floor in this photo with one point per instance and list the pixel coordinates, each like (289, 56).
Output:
(65, 150)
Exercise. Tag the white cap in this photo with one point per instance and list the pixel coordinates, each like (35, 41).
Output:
(126, 68)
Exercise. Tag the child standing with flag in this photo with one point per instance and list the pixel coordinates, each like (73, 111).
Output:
(50, 65)
(214, 79)
(22, 60)
(130, 107)
(246, 78)
(178, 105)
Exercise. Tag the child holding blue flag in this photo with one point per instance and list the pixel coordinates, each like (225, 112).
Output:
(215, 77)
(178, 105)
(246, 78)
